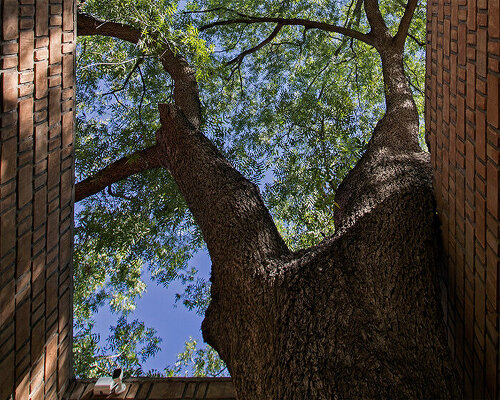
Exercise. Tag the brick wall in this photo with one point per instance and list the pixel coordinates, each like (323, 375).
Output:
(36, 184)
(462, 127)
(161, 389)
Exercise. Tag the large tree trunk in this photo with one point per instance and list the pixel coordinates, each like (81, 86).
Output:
(355, 317)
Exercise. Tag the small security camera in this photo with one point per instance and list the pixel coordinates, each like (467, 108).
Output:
(118, 375)
(117, 379)
(110, 386)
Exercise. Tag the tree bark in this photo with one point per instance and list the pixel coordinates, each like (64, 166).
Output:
(355, 317)
(186, 96)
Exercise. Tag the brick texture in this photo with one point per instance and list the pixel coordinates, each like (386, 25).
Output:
(462, 128)
(35, 236)
(160, 389)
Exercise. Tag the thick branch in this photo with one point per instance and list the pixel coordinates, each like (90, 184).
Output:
(186, 94)
(90, 26)
(132, 164)
(240, 57)
(296, 22)
(404, 25)
(228, 208)
(376, 21)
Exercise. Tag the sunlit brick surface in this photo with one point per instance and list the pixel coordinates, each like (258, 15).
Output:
(462, 126)
(36, 184)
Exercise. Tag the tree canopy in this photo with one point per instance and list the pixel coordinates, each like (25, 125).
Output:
(290, 94)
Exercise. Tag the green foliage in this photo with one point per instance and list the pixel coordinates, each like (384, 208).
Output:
(196, 294)
(195, 361)
(130, 344)
(140, 225)
(294, 116)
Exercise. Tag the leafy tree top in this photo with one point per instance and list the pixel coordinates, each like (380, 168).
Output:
(290, 93)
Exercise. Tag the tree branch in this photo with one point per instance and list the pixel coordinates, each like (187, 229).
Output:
(186, 94)
(129, 75)
(98, 64)
(227, 207)
(215, 9)
(375, 19)
(418, 42)
(90, 26)
(404, 25)
(356, 16)
(139, 161)
(295, 22)
(240, 57)
(117, 195)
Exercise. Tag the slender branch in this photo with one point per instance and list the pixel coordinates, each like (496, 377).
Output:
(417, 86)
(295, 22)
(241, 81)
(82, 52)
(240, 57)
(143, 94)
(119, 102)
(404, 25)
(348, 13)
(297, 44)
(356, 15)
(220, 372)
(226, 50)
(356, 72)
(117, 195)
(136, 162)
(109, 63)
(319, 74)
(108, 357)
(215, 9)
(186, 94)
(418, 42)
(129, 75)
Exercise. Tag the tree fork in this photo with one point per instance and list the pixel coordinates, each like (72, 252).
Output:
(243, 242)
(227, 206)
(356, 316)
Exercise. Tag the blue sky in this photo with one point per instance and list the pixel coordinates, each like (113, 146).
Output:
(175, 324)
(157, 308)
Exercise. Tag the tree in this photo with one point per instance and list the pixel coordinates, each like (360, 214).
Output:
(355, 315)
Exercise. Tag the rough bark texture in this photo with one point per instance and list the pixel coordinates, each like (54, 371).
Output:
(356, 317)
(185, 96)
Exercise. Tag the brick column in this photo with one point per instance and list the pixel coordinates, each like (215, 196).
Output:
(36, 183)
(462, 127)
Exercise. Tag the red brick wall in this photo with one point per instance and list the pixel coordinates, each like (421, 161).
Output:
(161, 389)
(462, 127)
(36, 185)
